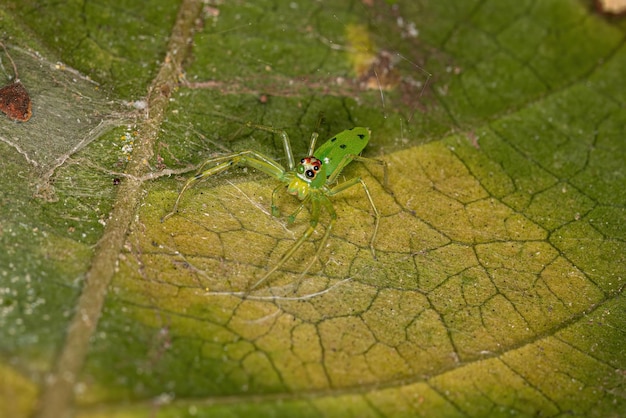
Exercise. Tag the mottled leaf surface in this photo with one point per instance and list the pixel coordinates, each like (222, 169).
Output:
(497, 287)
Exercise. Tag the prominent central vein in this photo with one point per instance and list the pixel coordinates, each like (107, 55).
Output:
(57, 396)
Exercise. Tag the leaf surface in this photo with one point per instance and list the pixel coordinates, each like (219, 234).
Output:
(497, 287)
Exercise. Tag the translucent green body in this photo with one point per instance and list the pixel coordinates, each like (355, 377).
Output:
(312, 180)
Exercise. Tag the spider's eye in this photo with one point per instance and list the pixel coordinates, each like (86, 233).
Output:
(316, 167)
(302, 161)
(310, 174)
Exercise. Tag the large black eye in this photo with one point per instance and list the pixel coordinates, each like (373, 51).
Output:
(316, 167)
(310, 174)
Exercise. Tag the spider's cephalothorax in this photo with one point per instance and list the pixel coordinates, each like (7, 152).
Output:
(312, 180)
(310, 174)
(309, 168)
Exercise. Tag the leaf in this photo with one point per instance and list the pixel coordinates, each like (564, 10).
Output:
(498, 283)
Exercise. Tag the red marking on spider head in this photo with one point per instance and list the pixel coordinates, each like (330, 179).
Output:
(310, 167)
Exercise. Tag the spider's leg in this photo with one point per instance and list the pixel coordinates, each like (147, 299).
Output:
(274, 208)
(214, 170)
(347, 159)
(314, 136)
(333, 217)
(285, 138)
(315, 216)
(292, 217)
(353, 182)
(248, 158)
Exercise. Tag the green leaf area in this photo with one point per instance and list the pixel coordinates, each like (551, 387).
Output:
(500, 259)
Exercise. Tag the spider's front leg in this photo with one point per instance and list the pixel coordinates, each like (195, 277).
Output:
(247, 158)
(283, 136)
(275, 210)
(286, 142)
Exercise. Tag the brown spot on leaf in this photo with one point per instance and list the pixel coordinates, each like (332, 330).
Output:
(15, 102)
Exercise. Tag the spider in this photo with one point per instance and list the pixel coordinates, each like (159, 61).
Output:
(312, 180)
